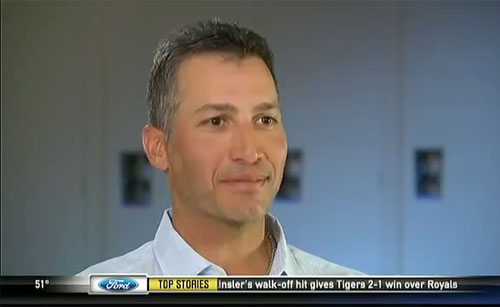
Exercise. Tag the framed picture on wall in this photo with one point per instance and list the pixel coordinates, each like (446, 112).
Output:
(429, 173)
(291, 184)
(137, 178)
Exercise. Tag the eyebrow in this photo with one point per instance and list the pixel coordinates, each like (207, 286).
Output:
(227, 107)
(217, 107)
(265, 106)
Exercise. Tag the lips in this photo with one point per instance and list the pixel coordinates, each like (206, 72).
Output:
(246, 178)
(246, 182)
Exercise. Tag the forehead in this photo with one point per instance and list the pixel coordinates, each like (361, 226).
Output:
(216, 77)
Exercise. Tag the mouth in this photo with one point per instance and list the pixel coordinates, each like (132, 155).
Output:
(246, 184)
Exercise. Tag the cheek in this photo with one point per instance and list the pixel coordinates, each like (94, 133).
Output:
(277, 149)
(198, 157)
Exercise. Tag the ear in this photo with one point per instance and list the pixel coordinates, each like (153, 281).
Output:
(155, 147)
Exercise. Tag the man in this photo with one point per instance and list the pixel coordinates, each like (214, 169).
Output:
(216, 130)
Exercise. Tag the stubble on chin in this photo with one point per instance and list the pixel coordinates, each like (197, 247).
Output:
(241, 212)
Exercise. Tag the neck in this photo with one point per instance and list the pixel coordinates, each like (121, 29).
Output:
(240, 249)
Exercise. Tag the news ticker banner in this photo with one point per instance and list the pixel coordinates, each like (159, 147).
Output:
(140, 284)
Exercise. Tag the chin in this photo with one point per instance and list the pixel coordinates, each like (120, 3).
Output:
(243, 212)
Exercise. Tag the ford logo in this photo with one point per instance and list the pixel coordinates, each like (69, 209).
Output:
(118, 284)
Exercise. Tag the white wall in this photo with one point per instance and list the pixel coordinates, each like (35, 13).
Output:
(46, 192)
(363, 84)
(452, 100)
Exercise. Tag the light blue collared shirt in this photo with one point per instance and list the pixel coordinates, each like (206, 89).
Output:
(169, 255)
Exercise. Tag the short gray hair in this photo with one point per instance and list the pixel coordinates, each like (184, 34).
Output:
(205, 36)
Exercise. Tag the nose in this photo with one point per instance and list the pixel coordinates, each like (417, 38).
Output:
(245, 147)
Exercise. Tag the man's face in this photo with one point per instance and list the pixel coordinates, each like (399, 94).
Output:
(228, 148)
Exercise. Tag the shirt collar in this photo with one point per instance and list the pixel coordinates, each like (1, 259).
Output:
(176, 257)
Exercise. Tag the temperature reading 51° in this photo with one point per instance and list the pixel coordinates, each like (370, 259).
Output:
(41, 283)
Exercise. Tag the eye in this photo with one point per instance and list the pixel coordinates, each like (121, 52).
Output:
(217, 121)
(267, 120)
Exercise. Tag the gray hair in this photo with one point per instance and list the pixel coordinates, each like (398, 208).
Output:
(203, 37)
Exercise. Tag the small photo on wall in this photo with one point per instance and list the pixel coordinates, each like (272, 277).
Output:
(137, 178)
(291, 184)
(429, 173)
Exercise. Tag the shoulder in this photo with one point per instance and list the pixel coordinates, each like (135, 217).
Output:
(303, 263)
(140, 260)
